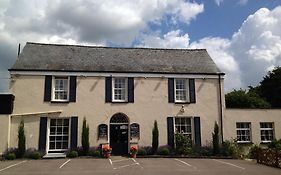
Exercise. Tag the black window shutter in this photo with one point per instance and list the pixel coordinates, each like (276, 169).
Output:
(192, 94)
(72, 89)
(131, 90)
(74, 132)
(170, 129)
(108, 89)
(48, 88)
(171, 92)
(42, 134)
(197, 132)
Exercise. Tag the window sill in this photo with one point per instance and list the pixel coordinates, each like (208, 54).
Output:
(182, 102)
(244, 142)
(59, 101)
(265, 142)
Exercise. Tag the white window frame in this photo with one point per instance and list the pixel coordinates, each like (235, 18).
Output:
(191, 133)
(125, 90)
(49, 134)
(244, 130)
(54, 88)
(267, 129)
(186, 82)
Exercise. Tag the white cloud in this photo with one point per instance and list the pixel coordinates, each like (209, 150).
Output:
(242, 2)
(218, 2)
(218, 48)
(85, 22)
(172, 39)
(247, 56)
(257, 45)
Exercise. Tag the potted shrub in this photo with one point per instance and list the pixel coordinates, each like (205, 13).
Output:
(133, 151)
(106, 150)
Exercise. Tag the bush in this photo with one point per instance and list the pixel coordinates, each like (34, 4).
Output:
(205, 151)
(85, 137)
(12, 150)
(231, 148)
(10, 156)
(79, 150)
(164, 151)
(32, 153)
(72, 154)
(215, 136)
(148, 150)
(21, 140)
(142, 152)
(35, 155)
(95, 153)
(253, 152)
(183, 144)
(275, 144)
(155, 138)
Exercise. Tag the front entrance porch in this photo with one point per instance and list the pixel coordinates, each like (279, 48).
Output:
(119, 134)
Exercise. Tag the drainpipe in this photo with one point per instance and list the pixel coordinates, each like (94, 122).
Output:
(9, 131)
(221, 108)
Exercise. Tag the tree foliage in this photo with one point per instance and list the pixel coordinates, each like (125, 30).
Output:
(243, 99)
(155, 138)
(215, 136)
(270, 87)
(265, 95)
(21, 140)
(85, 137)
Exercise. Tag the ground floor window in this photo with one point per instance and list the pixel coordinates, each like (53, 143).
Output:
(59, 134)
(267, 134)
(183, 126)
(243, 131)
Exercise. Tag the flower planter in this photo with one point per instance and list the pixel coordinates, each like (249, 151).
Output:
(134, 155)
(106, 155)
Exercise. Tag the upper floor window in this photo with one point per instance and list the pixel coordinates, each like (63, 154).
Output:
(181, 90)
(267, 134)
(120, 89)
(61, 89)
(243, 130)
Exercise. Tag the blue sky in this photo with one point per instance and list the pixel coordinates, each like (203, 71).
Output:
(242, 36)
(225, 19)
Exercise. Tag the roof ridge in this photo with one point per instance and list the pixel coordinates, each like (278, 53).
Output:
(145, 48)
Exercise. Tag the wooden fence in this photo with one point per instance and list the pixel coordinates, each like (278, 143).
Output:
(270, 157)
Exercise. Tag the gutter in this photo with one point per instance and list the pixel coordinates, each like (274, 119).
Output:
(221, 108)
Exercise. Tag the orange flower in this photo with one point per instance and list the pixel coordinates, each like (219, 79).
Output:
(106, 148)
(134, 150)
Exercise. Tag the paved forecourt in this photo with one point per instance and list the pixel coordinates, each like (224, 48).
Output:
(121, 165)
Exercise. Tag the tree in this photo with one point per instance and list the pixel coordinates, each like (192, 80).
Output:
(215, 135)
(270, 87)
(21, 140)
(85, 137)
(243, 99)
(155, 138)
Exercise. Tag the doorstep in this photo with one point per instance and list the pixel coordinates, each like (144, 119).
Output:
(54, 155)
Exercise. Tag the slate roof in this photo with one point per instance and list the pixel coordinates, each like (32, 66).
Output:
(75, 58)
